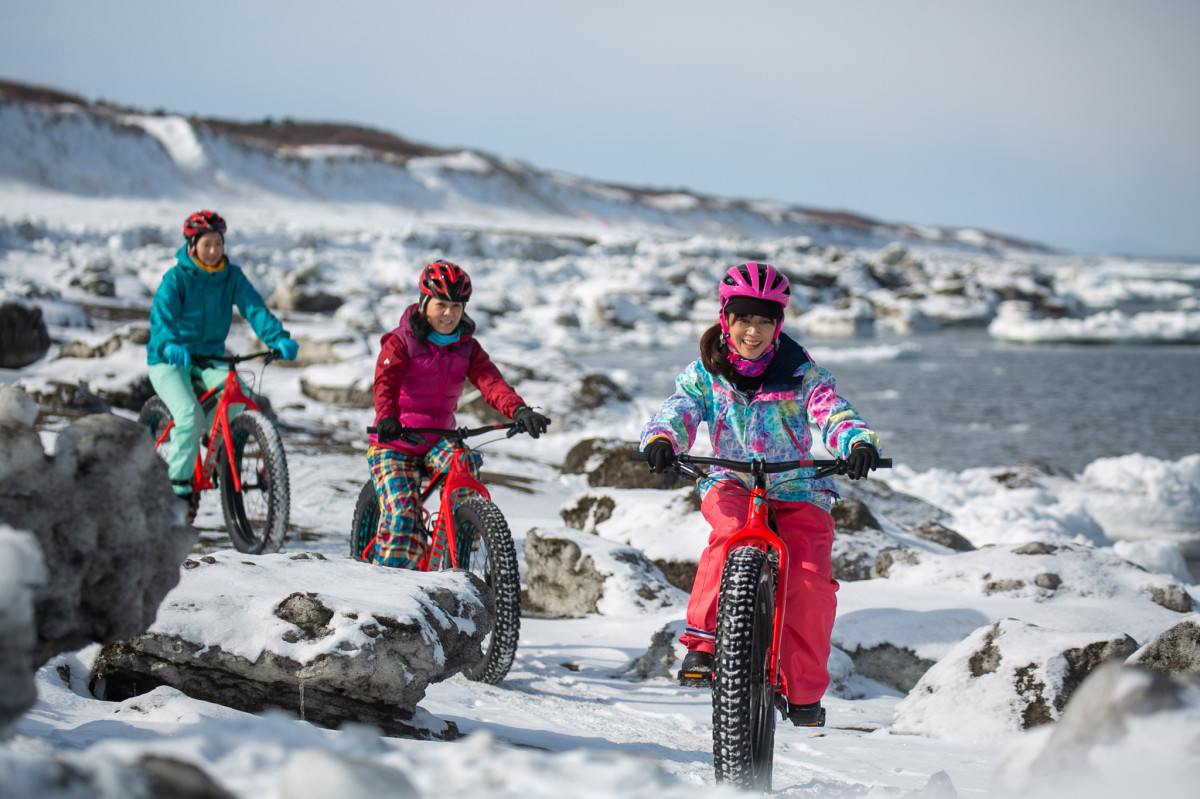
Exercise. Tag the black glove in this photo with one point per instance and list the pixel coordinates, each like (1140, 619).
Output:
(388, 429)
(530, 421)
(660, 455)
(863, 458)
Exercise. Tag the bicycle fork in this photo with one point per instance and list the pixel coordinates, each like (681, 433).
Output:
(757, 533)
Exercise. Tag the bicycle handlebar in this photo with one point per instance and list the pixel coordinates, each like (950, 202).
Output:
(461, 433)
(232, 360)
(824, 467)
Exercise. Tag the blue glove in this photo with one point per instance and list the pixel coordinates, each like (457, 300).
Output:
(288, 349)
(176, 355)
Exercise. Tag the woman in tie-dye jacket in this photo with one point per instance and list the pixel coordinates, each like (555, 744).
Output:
(758, 392)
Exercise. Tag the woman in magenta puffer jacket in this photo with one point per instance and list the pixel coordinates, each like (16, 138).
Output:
(423, 367)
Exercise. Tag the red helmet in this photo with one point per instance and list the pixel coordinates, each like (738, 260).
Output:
(446, 281)
(202, 222)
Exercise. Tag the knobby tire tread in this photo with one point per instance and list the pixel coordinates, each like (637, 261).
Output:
(365, 524)
(495, 562)
(743, 699)
(256, 536)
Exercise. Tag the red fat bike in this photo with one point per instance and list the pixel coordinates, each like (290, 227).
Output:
(748, 684)
(471, 535)
(241, 456)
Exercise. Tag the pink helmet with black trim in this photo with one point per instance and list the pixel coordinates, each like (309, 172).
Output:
(756, 281)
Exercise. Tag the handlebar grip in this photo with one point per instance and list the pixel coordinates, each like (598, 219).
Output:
(638, 456)
(884, 463)
(371, 430)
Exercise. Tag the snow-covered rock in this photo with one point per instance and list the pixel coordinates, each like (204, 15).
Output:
(22, 573)
(330, 640)
(1012, 675)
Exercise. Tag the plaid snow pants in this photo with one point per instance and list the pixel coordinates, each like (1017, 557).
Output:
(401, 539)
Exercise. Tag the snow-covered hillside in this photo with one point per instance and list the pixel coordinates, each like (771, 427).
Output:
(65, 144)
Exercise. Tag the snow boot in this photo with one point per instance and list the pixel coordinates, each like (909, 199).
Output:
(696, 671)
(810, 715)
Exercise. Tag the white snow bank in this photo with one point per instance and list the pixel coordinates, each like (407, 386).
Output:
(1014, 322)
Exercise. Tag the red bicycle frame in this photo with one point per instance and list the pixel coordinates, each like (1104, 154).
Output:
(455, 475)
(219, 435)
(757, 532)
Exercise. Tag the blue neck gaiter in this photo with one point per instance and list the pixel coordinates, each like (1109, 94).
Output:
(442, 339)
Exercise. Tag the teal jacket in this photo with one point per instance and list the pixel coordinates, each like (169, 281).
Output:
(194, 308)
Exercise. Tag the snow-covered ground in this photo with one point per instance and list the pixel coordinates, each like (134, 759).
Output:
(554, 295)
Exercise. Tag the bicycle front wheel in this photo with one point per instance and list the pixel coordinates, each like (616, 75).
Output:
(486, 548)
(155, 417)
(257, 515)
(743, 696)
(365, 524)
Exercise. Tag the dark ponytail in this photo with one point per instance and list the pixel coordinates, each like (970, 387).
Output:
(712, 353)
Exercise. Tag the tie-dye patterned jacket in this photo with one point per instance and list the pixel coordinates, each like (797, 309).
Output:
(771, 426)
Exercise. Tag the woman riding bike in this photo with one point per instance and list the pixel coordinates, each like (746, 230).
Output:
(190, 317)
(421, 372)
(758, 391)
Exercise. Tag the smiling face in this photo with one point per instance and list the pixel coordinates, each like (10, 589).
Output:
(210, 247)
(443, 316)
(750, 334)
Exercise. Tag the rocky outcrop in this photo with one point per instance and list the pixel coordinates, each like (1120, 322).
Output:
(1175, 651)
(91, 541)
(24, 338)
(1013, 675)
(606, 462)
(23, 573)
(333, 641)
(102, 509)
(574, 574)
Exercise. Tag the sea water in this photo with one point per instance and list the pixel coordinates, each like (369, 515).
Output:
(957, 398)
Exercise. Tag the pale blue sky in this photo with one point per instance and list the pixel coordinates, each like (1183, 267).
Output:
(1071, 122)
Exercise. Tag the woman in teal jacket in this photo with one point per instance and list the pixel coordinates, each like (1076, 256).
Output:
(190, 317)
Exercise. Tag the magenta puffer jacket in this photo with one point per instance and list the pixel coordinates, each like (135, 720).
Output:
(420, 382)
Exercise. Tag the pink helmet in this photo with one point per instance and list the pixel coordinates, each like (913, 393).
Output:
(755, 281)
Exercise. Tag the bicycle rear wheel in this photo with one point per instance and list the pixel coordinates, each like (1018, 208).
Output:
(486, 548)
(743, 696)
(365, 523)
(257, 516)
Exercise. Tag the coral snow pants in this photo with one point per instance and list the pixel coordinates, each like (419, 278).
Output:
(811, 603)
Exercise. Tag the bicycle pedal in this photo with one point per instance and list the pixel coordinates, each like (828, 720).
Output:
(696, 681)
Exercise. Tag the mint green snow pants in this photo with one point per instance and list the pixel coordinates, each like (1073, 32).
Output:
(173, 385)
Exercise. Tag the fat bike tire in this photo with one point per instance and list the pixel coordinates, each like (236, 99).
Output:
(365, 524)
(257, 516)
(486, 548)
(743, 697)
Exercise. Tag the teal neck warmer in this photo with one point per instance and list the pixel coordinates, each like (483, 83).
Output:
(442, 339)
